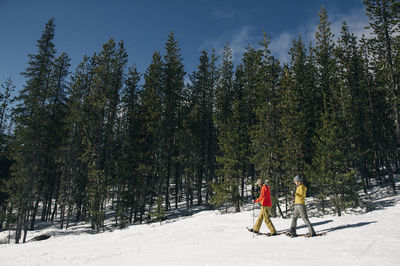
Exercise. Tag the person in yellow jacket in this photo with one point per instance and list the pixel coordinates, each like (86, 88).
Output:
(300, 208)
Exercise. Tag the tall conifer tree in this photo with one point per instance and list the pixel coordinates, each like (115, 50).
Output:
(384, 21)
(173, 78)
(31, 117)
(151, 165)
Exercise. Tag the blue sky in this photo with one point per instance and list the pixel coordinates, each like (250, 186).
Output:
(83, 26)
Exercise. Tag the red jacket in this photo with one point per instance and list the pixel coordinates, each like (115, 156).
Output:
(265, 196)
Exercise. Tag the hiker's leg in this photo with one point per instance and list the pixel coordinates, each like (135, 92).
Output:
(268, 220)
(294, 219)
(258, 223)
(304, 216)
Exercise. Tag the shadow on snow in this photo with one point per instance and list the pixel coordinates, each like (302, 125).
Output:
(341, 227)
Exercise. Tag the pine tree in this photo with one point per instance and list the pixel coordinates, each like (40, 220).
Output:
(226, 191)
(234, 157)
(224, 91)
(352, 107)
(132, 147)
(151, 164)
(54, 136)
(201, 100)
(331, 170)
(7, 88)
(75, 169)
(158, 211)
(99, 131)
(5, 163)
(230, 126)
(188, 149)
(265, 138)
(298, 118)
(211, 129)
(293, 117)
(385, 17)
(31, 117)
(325, 63)
(173, 79)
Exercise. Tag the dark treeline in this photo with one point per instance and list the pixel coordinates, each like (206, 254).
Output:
(106, 139)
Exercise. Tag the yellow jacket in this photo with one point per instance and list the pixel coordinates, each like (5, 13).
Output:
(300, 196)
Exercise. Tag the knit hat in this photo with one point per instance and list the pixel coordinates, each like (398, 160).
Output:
(259, 182)
(297, 178)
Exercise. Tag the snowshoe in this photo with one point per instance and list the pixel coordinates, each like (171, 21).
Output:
(291, 234)
(252, 230)
(314, 235)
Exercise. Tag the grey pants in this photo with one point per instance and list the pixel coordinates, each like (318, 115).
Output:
(300, 210)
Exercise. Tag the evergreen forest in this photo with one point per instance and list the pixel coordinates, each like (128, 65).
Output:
(107, 141)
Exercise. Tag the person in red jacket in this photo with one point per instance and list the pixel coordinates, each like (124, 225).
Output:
(266, 203)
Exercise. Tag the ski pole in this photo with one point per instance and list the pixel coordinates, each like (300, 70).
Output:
(253, 218)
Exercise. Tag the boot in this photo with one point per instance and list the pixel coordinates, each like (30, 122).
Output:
(292, 232)
(312, 233)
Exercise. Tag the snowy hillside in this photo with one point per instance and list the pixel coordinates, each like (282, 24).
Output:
(209, 238)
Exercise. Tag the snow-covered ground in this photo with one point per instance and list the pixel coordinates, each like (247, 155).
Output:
(209, 238)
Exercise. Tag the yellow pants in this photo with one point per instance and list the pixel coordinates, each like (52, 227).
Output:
(264, 214)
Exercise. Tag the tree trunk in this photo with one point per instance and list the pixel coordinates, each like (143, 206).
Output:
(34, 214)
(26, 222)
(68, 215)
(167, 183)
(141, 213)
(44, 210)
(135, 214)
(9, 215)
(54, 214)
(280, 210)
(392, 182)
(364, 176)
(191, 195)
(242, 185)
(4, 210)
(85, 213)
(187, 197)
(337, 204)
(177, 188)
(79, 209)
(200, 181)
(48, 213)
(18, 232)
(62, 215)
(131, 215)
(18, 229)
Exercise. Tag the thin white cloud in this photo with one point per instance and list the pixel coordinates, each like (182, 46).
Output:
(227, 14)
(238, 41)
(280, 46)
(281, 43)
(241, 40)
(355, 19)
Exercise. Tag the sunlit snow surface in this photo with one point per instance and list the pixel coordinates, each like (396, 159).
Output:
(209, 238)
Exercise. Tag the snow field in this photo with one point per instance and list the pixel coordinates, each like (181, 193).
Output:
(209, 238)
